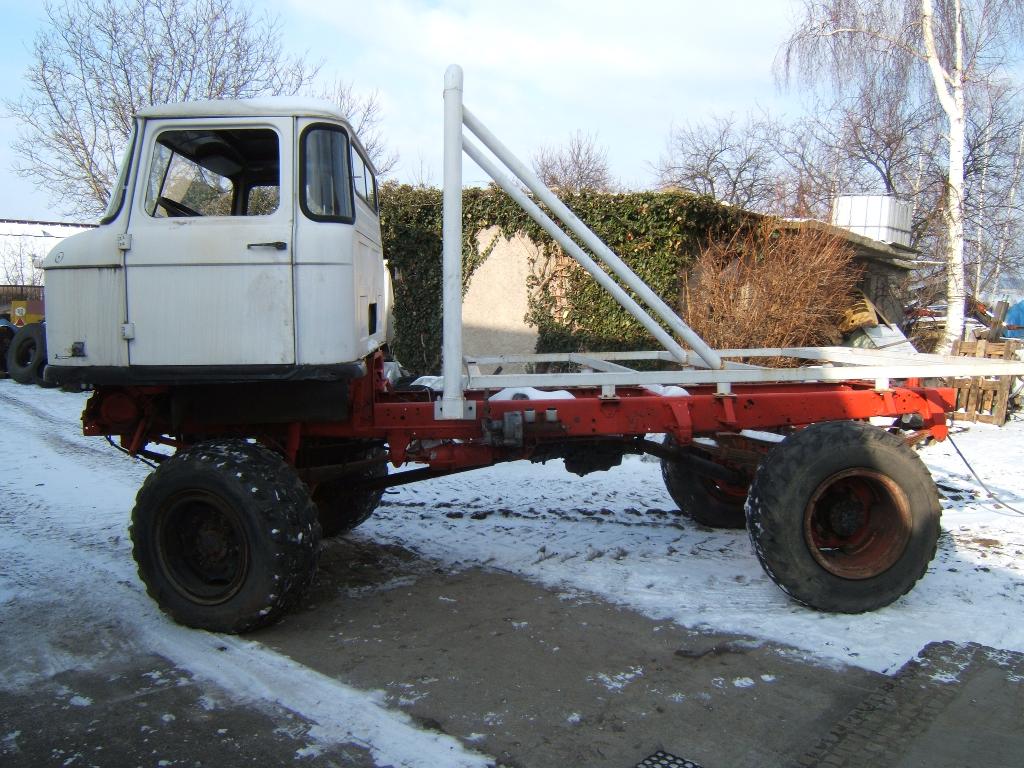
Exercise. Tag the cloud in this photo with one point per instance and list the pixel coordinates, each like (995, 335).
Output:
(538, 70)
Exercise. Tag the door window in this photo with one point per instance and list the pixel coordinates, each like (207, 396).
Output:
(214, 172)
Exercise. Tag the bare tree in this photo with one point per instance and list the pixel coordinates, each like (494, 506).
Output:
(876, 139)
(733, 161)
(580, 165)
(98, 62)
(19, 264)
(364, 113)
(945, 51)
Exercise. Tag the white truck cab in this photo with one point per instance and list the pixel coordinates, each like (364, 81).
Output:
(241, 243)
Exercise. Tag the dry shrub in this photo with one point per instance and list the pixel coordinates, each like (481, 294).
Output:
(776, 285)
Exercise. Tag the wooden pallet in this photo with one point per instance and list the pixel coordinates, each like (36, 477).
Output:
(980, 398)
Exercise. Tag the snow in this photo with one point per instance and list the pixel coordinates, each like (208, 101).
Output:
(531, 393)
(615, 534)
(63, 526)
(65, 502)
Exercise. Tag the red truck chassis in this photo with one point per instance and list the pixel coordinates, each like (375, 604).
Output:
(509, 430)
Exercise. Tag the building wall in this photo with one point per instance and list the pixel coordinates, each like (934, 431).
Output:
(495, 305)
(886, 286)
(23, 244)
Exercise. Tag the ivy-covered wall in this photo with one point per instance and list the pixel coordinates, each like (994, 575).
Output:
(657, 234)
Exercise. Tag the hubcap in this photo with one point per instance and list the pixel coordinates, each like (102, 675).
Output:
(202, 547)
(857, 524)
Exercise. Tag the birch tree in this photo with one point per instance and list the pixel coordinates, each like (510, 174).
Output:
(947, 47)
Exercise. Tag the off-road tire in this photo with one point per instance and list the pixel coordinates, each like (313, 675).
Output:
(225, 536)
(702, 498)
(6, 337)
(26, 355)
(340, 507)
(40, 369)
(843, 516)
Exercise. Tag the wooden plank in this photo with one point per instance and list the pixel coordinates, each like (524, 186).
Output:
(998, 319)
(982, 399)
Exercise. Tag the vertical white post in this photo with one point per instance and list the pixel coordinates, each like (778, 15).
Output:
(452, 404)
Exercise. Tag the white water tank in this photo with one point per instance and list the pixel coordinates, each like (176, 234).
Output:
(880, 217)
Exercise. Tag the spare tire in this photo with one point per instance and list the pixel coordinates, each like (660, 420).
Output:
(40, 371)
(27, 354)
(7, 332)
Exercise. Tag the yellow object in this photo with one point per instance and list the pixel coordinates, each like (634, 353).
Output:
(861, 315)
(24, 312)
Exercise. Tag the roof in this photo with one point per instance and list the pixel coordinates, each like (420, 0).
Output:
(46, 230)
(893, 254)
(267, 106)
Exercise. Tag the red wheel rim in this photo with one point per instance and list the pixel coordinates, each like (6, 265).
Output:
(857, 524)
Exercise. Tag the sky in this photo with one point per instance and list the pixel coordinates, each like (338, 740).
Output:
(624, 73)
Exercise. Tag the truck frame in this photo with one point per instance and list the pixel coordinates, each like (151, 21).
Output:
(274, 449)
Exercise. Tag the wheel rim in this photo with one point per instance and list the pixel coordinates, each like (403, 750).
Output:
(202, 547)
(732, 495)
(857, 524)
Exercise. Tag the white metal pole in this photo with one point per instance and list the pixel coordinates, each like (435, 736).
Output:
(592, 241)
(452, 404)
(618, 293)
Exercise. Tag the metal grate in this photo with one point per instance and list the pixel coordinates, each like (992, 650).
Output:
(664, 760)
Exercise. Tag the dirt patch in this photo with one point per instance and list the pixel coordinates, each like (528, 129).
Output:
(536, 677)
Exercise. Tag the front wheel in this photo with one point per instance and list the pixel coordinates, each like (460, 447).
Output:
(225, 536)
(844, 517)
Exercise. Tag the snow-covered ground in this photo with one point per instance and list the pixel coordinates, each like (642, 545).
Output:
(614, 534)
(65, 560)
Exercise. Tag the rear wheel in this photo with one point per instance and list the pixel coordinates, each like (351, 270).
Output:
(844, 517)
(225, 536)
(709, 501)
(341, 504)
(26, 355)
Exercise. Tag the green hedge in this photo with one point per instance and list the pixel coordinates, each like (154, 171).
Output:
(656, 233)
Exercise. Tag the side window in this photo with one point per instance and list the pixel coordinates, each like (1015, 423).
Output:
(325, 178)
(363, 181)
(214, 172)
(371, 189)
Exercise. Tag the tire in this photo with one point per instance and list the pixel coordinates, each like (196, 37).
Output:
(27, 353)
(40, 370)
(341, 508)
(6, 337)
(844, 517)
(225, 536)
(708, 501)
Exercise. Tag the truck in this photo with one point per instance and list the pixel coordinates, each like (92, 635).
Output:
(22, 333)
(233, 315)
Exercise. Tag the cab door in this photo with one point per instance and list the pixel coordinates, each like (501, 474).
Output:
(209, 261)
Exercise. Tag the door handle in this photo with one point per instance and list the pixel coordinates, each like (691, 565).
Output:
(277, 245)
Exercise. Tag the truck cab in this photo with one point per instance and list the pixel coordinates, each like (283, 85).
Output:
(241, 243)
